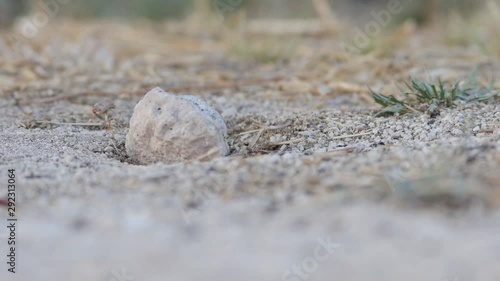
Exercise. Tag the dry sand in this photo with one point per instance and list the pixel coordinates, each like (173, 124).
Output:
(400, 198)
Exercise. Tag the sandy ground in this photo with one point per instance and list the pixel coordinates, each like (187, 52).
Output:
(317, 187)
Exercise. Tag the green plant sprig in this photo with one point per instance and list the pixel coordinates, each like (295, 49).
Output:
(427, 96)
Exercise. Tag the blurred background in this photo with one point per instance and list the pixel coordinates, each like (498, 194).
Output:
(346, 10)
(462, 23)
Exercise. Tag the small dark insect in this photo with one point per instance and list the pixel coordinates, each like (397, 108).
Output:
(432, 121)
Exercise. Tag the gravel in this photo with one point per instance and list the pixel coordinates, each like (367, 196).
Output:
(402, 197)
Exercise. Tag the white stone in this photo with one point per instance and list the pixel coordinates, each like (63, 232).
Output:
(169, 128)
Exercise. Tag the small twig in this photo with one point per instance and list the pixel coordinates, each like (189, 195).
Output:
(328, 154)
(342, 149)
(411, 108)
(207, 156)
(248, 132)
(487, 131)
(190, 88)
(351, 136)
(286, 142)
(264, 128)
(261, 131)
(70, 124)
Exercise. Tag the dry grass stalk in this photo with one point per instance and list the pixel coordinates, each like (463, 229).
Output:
(325, 14)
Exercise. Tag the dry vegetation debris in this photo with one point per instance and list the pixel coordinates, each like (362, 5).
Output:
(305, 142)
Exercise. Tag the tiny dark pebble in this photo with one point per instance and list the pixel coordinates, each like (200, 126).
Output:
(377, 144)
(80, 223)
(432, 121)
(471, 159)
(434, 114)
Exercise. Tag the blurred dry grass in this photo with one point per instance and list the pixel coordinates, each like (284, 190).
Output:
(353, 11)
(482, 30)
